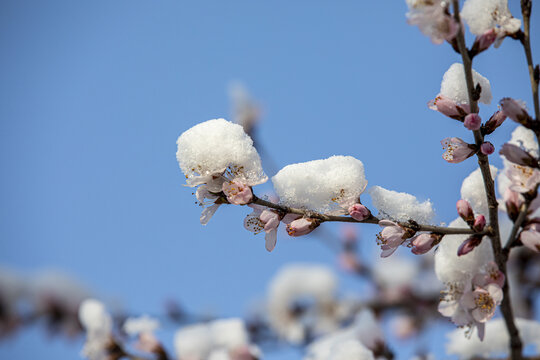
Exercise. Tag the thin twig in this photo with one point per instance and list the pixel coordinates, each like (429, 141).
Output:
(516, 345)
(370, 220)
(526, 42)
(517, 225)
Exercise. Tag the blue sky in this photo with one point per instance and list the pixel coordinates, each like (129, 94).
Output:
(95, 93)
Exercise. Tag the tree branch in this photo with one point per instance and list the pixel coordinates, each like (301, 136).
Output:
(526, 42)
(516, 345)
(370, 220)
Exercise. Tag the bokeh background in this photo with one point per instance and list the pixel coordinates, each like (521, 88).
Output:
(94, 94)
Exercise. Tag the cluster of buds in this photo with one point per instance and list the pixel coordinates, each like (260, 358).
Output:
(394, 235)
(477, 224)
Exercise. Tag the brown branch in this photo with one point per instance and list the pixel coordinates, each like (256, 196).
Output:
(517, 225)
(370, 220)
(526, 42)
(516, 345)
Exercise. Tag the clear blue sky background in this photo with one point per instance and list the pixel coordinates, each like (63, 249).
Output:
(94, 94)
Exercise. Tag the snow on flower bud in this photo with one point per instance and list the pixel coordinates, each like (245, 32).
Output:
(457, 150)
(530, 236)
(237, 192)
(484, 16)
(465, 211)
(515, 110)
(518, 156)
(484, 41)
(433, 19)
(487, 148)
(468, 245)
(448, 107)
(472, 122)
(422, 243)
(302, 226)
(454, 85)
(494, 121)
(479, 223)
(359, 212)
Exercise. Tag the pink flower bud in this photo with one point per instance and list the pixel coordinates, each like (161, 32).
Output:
(479, 223)
(302, 226)
(424, 242)
(513, 201)
(237, 192)
(494, 122)
(359, 212)
(515, 110)
(485, 40)
(448, 107)
(518, 156)
(487, 148)
(465, 211)
(457, 150)
(468, 245)
(530, 236)
(472, 121)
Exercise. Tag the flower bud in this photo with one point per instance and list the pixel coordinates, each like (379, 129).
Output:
(515, 110)
(468, 245)
(465, 211)
(479, 223)
(484, 41)
(487, 148)
(494, 122)
(448, 107)
(302, 226)
(513, 201)
(359, 212)
(237, 192)
(518, 156)
(472, 122)
(422, 243)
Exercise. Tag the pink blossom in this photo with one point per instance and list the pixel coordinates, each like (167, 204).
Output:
(448, 107)
(482, 302)
(457, 150)
(237, 192)
(302, 226)
(530, 236)
(472, 121)
(517, 155)
(468, 245)
(490, 275)
(479, 223)
(487, 148)
(515, 110)
(359, 212)
(523, 179)
(422, 243)
(465, 211)
(494, 122)
(484, 41)
(263, 219)
(433, 19)
(392, 236)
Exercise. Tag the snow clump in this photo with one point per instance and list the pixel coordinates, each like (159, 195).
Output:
(400, 206)
(331, 184)
(454, 85)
